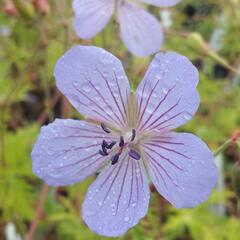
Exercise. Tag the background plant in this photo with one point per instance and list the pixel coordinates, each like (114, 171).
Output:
(33, 36)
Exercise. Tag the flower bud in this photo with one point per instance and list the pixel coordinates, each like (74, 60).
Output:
(9, 8)
(42, 6)
(25, 8)
(196, 42)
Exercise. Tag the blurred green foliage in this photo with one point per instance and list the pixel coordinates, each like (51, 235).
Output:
(31, 41)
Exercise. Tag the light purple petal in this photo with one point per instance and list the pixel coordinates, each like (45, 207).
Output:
(118, 199)
(182, 168)
(167, 96)
(140, 31)
(95, 83)
(161, 3)
(66, 151)
(91, 16)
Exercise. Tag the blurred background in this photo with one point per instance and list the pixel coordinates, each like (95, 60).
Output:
(33, 35)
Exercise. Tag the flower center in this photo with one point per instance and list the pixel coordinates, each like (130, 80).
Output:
(127, 141)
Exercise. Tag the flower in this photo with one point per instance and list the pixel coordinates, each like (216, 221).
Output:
(140, 31)
(127, 137)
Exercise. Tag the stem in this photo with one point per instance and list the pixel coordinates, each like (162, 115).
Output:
(223, 147)
(39, 211)
(2, 137)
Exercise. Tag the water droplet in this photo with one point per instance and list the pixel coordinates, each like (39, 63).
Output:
(134, 204)
(111, 83)
(75, 83)
(86, 88)
(165, 89)
(50, 150)
(89, 213)
(100, 203)
(150, 109)
(97, 86)
(126, 219)
(187, 116)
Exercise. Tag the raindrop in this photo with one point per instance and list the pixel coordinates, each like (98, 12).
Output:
(50, 150)
(134, 204)
(75, 83)
(111, 83)
(150, 109)
(126, 219)
(165, 89)
(100, 203)
(89, 213)
(97, 86)
(86, 88)
(187, 116)
(137, 170)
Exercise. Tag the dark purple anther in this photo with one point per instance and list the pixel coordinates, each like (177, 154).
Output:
(104, 128)
(104, 150)
(134, 154)
(110, 145)
(133, 134)
(102, 153)
(104, 144)
(121, 143)
(115, 159)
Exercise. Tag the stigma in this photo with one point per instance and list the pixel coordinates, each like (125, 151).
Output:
(114, 149)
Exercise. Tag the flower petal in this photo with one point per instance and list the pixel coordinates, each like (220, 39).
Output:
(95, 83)
(167, 96)
(67, 151)
(181, 167)
(161, 3)
(118, 199)
(140, 31)
(91, 16)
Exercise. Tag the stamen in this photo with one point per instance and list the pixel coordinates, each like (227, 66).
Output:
(110, 145)
(134, 154)
(104, 128)
(104, 144)
(115, 159)
(133, 134)
(102, 153)
(104, 150)
(121, 143)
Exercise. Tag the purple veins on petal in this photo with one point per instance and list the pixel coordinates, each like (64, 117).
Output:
(134, 154)
(140, 31)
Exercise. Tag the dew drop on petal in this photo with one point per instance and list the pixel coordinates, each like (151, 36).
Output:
(165, 89)
(86, 88)
(187, 116)
(134, 204)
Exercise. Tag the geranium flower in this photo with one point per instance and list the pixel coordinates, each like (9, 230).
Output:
(140, 31)
(127, 137)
